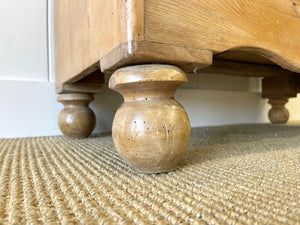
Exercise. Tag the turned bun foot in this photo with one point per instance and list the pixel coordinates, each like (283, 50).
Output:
(278, 114)
(150, 130)
(76, 120)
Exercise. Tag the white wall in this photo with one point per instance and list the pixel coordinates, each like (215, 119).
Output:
(28, 104)
(23, 40)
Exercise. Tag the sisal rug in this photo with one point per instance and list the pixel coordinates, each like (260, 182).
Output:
(242, 174)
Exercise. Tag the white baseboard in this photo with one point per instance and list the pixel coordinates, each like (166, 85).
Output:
(30, 108)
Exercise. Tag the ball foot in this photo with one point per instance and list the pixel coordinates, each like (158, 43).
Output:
(76, 120)
(150, 130)
(278, 114)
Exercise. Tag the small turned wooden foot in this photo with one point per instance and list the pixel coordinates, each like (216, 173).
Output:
(76, 120)
(278, 114)
(150, 130)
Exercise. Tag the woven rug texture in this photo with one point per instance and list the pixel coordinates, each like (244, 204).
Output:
(241, 174)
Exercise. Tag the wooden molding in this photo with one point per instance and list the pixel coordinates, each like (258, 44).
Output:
(144, 52)
(245, 69)
(268, 28)
(86, 30)
(185, 34)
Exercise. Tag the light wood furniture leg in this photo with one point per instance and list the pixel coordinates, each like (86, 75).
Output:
(76, 120)
(278, 114)
(278, 89)
(150, 130)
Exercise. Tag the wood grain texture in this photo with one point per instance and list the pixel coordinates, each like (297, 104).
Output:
(150, 130)
(278, 114)
(85, 30)
(128, 32)
(222, 25)
(143, 52)
(76, 120)
(245, 69)
(290, 7)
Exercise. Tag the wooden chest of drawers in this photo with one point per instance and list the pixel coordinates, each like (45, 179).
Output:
(147, 41)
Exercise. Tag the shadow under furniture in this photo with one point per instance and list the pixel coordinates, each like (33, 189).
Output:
(148, 46)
